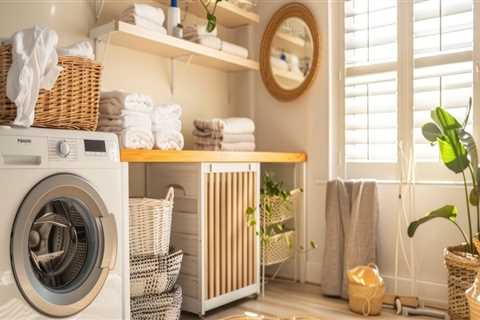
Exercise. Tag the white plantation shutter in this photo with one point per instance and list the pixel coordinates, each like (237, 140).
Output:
(443, 74)
(370, 93)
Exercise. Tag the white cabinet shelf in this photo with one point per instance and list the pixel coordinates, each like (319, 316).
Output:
(227, 14)
(133, 37)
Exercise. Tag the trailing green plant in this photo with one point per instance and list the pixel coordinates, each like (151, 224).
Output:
(458, 153)
(271, 188)
(211, 18)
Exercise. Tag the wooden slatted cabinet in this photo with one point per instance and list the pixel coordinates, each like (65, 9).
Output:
(221, 262)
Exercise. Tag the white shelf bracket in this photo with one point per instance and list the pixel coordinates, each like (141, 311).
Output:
(172, 69)
(98, 43)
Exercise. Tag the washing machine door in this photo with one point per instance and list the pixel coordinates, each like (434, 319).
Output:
(63, 245)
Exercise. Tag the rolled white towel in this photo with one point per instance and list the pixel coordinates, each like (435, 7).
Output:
(167, 125)
(234, 49)
(137, 138)
(127, 97)
(82, 49)
(148, 12)
(113, 102)
(133, 119)
(171, 140)
(166, 112)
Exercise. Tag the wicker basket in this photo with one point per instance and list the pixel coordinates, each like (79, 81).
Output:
(366, 300)
(154, 274)
(462, 270)
(473, 297)
(278, 248)
(71, 104)
(164, 306)
(150, 225)
(280, 209)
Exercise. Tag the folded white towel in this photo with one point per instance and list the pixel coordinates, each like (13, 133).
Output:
(127, 97)
(145, 24)
(34, 67)
(137, 119)
(166, 112)
(155, 15)
(82, 49)
(238, 125)
(234, 49)
(136, 138)
(167, 126)
(208, 41)
(198, 30)
(171, 140)
(114, 102)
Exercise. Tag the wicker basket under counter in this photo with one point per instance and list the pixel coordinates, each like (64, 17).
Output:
(280, 209)
(279, 248)
(72, 103)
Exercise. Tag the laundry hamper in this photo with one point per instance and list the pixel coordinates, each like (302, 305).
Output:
(278, 248)
(154, 274)
(150, 225)
(72, 103)
(166, 306)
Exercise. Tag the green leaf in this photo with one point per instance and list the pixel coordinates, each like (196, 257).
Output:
(448, 212)
(431, 132)
(473, 198)
(212, 22)
(469, 143)
(444, 120)
(250, 211)
(453, 155)
(313, 245)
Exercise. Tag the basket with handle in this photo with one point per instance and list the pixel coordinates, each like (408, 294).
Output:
(150, 225)
(154, 274)
(165, 306)
(366, 299)
(72, 103)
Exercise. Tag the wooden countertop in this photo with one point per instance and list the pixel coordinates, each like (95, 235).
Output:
(184, 156)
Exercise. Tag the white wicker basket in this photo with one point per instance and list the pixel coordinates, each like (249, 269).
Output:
(280, 209)
(279, 248)
(154, 274)
(164, 306)
(150, 225)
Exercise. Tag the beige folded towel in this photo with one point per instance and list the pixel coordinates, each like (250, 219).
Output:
(227, 138)
(240, 146)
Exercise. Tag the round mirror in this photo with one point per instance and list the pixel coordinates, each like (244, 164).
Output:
(289, 52)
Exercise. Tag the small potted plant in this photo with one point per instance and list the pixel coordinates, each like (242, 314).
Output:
(458, 153)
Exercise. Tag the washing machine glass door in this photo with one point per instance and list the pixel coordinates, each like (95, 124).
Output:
(63, 245)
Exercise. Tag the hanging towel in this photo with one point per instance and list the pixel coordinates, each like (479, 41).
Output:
(34, 67)
(351, 216)
(82, 49)
(136, 138)
(234, 49)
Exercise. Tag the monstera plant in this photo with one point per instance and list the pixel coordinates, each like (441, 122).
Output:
(458, 152)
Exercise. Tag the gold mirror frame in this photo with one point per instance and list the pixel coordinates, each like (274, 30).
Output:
(291, 10)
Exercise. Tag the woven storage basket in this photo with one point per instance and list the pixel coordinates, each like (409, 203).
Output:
(154, 274)
(366, 300)
(164, 306)
(474, 307)
(280, 209)
(71, 104)
(462, 269)
(150, 225)
(279, 248)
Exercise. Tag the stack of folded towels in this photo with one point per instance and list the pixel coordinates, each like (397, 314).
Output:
(145, 16)
(167, 127)
(129, 116)
(200, 35)
(230, 134)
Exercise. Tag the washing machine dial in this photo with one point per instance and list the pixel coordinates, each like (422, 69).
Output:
(64, 149)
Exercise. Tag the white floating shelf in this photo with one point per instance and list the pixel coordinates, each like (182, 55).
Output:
(227, 14)
(288, 41)
(136, 38)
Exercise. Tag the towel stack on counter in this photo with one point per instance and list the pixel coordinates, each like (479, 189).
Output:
(145, 16)
(129, 116)
(200, 35)
(230, 134)
(167, 127)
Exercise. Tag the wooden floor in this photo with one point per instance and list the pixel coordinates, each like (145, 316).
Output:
(284, 299)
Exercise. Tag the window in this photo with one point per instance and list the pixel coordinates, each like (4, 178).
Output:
(440, 72)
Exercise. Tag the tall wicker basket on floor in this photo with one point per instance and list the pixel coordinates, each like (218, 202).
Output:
(165, 306)
(150, 225)
(71, 104)
(462, 270)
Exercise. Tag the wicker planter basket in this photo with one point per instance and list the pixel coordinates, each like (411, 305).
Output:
(71, 104)
(150, 225)
(154, 274)
(164, 306)
(281, 210)
(278, 248)
(462, 270)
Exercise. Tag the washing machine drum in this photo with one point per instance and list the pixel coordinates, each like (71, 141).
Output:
(63, 245)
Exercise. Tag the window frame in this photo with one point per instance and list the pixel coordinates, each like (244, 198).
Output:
(404, 66)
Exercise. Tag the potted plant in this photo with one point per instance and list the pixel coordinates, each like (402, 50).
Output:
(211, 18)
(458, 153)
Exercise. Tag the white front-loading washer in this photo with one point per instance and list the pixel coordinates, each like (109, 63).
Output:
(63, 231)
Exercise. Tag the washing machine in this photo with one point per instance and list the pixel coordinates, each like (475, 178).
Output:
(63, 230)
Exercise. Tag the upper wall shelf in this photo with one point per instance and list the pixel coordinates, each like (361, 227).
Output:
(228, 15)
(133, 37)
(188, 156)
